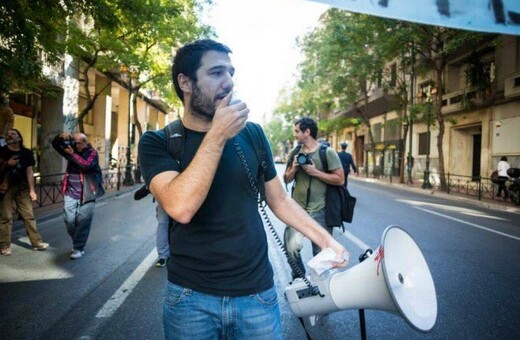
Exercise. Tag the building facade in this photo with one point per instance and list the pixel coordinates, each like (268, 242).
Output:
(481, 125)
(109, 125)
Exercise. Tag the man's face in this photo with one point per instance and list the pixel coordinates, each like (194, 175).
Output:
(299, 135)
(80, 143)
(12, 137)
(214, 82)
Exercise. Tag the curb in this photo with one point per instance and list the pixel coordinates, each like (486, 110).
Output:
(506, 207)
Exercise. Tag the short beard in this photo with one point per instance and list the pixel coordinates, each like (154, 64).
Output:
(201, 105)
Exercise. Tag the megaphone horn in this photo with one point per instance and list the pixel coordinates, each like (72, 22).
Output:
(395, 279)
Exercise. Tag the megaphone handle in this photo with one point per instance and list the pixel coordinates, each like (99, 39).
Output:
(362, 327)
(304, 329)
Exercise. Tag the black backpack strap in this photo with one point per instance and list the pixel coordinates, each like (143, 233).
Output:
(290, 158)
(253, 132)
(323, 157)
(175, 139)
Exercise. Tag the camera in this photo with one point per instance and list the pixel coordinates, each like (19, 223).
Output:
(65, 143)
(303, 159)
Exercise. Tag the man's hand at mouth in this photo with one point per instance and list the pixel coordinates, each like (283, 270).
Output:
(228, 121)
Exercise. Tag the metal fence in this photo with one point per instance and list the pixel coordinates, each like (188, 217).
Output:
(477, 186)
(48, 187)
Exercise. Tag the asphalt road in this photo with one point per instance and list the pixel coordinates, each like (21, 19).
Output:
(115, 291)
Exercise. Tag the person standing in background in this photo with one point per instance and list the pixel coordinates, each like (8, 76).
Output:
(161, 235)
(502, 168)
(17, 185)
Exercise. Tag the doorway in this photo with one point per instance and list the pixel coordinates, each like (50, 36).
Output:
(477, 148)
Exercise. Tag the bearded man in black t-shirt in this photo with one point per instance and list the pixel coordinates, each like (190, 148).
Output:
(220, 279)
(17, 185)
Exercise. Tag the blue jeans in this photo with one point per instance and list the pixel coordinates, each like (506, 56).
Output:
(293, 241)
(78, 219)
(162, 243)
(188, 315)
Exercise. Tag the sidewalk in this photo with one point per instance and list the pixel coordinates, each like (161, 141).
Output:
(416, 187)
(51, 211)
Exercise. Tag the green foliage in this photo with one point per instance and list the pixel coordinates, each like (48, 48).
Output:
(101, 33)
(25, 28)
(337, 124)
(278, 132)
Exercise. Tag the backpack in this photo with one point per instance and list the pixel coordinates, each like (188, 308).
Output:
(339, 204)
(175, 139)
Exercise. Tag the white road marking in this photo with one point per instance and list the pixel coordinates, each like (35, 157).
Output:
(469, 223)
(126, 288)
(362, 245)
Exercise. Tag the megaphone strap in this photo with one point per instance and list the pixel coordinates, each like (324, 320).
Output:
(379, 257)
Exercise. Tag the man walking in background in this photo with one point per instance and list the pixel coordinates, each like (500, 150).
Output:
(81, 186)
(346, 161)
(304, 166)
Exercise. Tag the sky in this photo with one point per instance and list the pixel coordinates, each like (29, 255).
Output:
(262, 35)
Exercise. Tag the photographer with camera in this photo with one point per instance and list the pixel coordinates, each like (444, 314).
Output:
(17, 185)
(82, 184)
(304, 166)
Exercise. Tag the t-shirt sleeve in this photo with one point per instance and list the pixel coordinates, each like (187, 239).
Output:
(29, 158)
(333, 160)
(153, 155)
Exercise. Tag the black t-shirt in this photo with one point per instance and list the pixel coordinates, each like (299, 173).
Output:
(223, 249)
(17, 174)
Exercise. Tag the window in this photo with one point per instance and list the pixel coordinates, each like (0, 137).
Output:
(423, 143)
(376, 132)
(393, 75)
(392, 129)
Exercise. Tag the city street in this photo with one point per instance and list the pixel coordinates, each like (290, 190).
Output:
(115, 291)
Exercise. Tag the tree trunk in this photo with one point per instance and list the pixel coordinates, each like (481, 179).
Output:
(370, 134)
(440, 121)
(136, 120)
(402, 153)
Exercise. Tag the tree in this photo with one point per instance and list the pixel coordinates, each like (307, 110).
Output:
(435, 46)
(279, 134)
(343, 62)
(28, 28)
(141, 35)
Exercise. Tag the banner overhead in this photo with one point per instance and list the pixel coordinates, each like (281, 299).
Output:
(496, 16)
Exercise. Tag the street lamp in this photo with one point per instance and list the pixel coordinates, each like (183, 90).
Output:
(426, 182)
(126, 75)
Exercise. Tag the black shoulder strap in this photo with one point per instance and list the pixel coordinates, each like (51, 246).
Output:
(253, 133)
(323, 157)
(289, 161)
(175, 139)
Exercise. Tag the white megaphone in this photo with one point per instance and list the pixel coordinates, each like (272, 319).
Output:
(394, 279)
